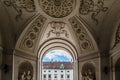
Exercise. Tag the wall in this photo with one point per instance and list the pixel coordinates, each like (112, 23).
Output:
(0, 60)
(0, 54)
(58, 73)
(90, 59)
(19, 58)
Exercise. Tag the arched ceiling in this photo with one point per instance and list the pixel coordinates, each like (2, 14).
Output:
(98, 16)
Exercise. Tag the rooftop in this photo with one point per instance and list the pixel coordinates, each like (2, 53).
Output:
(57, 65)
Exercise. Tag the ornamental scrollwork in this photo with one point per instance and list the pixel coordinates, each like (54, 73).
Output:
(57, 8)
(32, 34)
(117, 36)
(84, 39)
(90, 7)
(19, 5)
(57, 28)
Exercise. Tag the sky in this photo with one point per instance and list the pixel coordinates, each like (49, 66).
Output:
(57, 55)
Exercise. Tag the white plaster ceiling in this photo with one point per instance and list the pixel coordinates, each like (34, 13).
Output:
(14, 17)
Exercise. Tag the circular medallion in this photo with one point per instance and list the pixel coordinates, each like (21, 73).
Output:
(57, 8)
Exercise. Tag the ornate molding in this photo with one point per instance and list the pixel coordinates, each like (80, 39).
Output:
(58, 29)
(84, 39)
(19, 5)
(117, 36)
(90, 7)
(31, 36)
(57, 8)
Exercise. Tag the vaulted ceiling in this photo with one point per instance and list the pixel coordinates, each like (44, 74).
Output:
(99, 18)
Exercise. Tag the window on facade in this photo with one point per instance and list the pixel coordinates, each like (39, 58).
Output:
(62, 75)
(55, 76)
(44, 71)
(49, 76)
(55, 71)
(68, 76)
(44, 76)
(56, 64)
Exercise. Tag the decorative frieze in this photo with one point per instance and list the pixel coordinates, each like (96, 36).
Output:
(83, 36)
(90, 7)
(19, 5)
(57, 28)
(31, 36)
(57, 8)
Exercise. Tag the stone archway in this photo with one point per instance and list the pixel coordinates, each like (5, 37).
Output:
(58, 44)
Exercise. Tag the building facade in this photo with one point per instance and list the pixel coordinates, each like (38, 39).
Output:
(57, 71)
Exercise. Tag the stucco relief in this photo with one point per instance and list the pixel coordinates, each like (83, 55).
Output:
(57, 8)
(19, 5)
(25, 71)
(84, 39)
(93, 8)
(57, 28)
(31, 36)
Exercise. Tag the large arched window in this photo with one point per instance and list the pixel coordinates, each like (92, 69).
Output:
(57, 65)
(47, 53)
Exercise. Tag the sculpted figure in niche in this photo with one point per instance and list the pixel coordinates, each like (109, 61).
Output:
(88, 72)
(23, 76)
(28, 76)
(25, 71)
(89, 75)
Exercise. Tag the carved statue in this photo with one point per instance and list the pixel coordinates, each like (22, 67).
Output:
(88, 72)
(23, 76)
(25, 71)
(89, 75)
(28, 76)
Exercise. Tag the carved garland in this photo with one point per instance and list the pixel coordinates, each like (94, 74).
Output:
(31, 36)
(57, 29)
(18, 5)
(89, 6)
(85, 41)
(57, 8)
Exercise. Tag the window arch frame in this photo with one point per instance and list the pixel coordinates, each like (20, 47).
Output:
(53, 44)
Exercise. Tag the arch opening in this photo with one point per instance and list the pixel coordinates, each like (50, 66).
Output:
(57, 65)
(60, 54)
